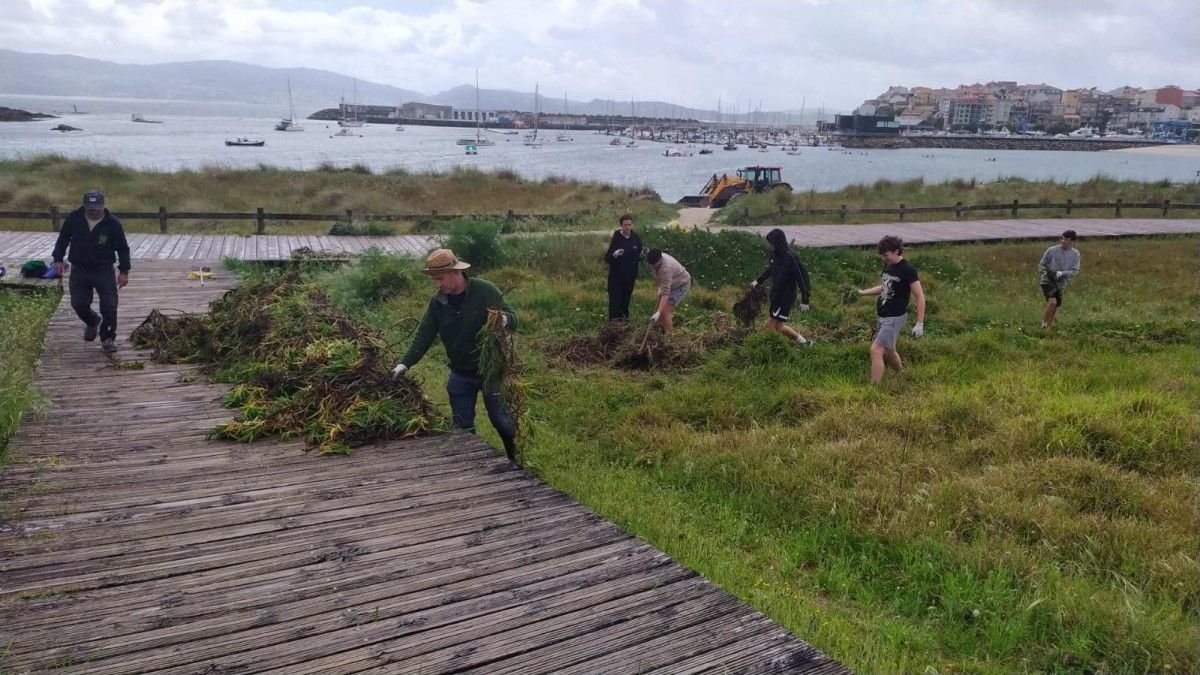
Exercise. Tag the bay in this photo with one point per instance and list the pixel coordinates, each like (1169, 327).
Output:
(192, 136)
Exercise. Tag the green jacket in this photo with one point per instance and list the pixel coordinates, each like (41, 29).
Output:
(458, 329)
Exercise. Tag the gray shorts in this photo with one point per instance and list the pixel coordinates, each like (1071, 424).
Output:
(889, 330)
(677, 294)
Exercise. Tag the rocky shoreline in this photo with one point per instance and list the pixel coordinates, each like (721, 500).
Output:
(989, 143)
(17, 115)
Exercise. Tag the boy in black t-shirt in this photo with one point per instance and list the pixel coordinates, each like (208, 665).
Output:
(899, 280)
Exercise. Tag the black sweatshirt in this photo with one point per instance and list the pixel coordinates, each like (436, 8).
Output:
(626, 266)
(786, 271)
(96, 248)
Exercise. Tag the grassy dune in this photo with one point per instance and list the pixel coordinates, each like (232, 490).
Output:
(41, 182)
(765, 208)
(1016, 500)
(23, 318)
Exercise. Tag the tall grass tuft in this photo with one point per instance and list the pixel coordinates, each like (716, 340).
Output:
(23, 319)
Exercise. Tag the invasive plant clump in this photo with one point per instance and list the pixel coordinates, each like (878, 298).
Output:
(500, 363)
(849, 295)
(748, 308)
(301, 367)
(619, 346)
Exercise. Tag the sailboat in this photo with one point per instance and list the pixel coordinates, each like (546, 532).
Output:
(532, 139)
(564, 137)
(479, 140)
(289, 123)
(353, 121)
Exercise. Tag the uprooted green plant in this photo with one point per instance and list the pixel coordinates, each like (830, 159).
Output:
(301, 367)
(500, 363)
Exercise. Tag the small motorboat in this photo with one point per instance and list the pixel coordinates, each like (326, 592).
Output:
(243, 142)
(615, 142)
(345, 131)
(730, 146)
(706, 151)
(136, 117)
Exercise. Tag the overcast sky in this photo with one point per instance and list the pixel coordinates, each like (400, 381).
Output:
(835, 53)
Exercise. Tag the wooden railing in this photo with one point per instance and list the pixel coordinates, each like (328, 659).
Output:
(1013, 208)
(260, 216)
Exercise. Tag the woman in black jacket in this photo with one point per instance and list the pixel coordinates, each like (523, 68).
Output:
(787, 274)
(624, 253)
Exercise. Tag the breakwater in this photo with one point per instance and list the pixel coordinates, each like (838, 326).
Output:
(988, 142)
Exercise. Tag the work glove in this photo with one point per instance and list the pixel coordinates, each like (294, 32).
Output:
(919, 329)
(399, 370)
(1059, 275)
(754, 284)
(504, 321)
(804, 307)
(618, 253)
(654, 316)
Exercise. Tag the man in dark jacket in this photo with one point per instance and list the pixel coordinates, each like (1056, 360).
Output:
(786, 273)
(455, 314)
(624, 253)
(96, 240)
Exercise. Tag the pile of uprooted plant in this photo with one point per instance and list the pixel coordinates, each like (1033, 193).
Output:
(646, 347)
(300, 366)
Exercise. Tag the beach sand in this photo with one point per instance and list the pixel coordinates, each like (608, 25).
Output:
(1188, 150)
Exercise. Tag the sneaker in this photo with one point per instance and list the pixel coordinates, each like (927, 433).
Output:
(89, 331)
(801, 340)
(109, 345)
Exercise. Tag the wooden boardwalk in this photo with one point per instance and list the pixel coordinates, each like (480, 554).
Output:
(18, 246)
(130, 543)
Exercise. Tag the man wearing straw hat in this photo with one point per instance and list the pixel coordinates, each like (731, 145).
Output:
(456, 313)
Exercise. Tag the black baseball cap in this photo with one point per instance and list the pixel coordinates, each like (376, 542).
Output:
(93, 199)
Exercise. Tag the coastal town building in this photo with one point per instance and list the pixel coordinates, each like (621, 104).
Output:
(1009, 105)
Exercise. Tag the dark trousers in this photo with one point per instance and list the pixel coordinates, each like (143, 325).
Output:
(103, 281)
(620, 290)
(463, 390)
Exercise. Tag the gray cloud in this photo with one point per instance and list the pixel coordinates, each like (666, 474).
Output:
(691, 52)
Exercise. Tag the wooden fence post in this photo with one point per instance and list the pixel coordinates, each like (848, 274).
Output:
(349, 216)
(55, 223)
(1068, 207)
(1015, 206)
(434, 213)
(510, 214)
(842, 212)
(958, 209)
(1166, 207)
(901, 210)
(1118, 214)
(162, 219)
(261, 225)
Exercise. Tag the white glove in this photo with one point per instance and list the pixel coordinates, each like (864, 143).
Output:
(919, 329)
(399, 370)
(804, 307)
(618, 253)
(1059, 275)
(654, 316)
(504, 320)
(754, 284)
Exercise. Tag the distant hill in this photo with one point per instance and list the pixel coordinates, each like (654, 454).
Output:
(60, 75)
(65, 75)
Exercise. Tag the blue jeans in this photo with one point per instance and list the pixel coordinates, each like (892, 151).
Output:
(463, 389)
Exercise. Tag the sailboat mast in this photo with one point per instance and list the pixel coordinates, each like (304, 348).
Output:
(478, 133)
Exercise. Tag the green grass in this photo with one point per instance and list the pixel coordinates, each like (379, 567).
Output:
(51, 180)
(1015, 500)
(766, 208)
(23, 319)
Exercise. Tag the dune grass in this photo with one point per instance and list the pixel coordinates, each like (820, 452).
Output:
(23, 319)
(1015, 500)
(52, 180)
(766, 208)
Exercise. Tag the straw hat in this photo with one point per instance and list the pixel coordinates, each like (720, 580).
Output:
(443, 260)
